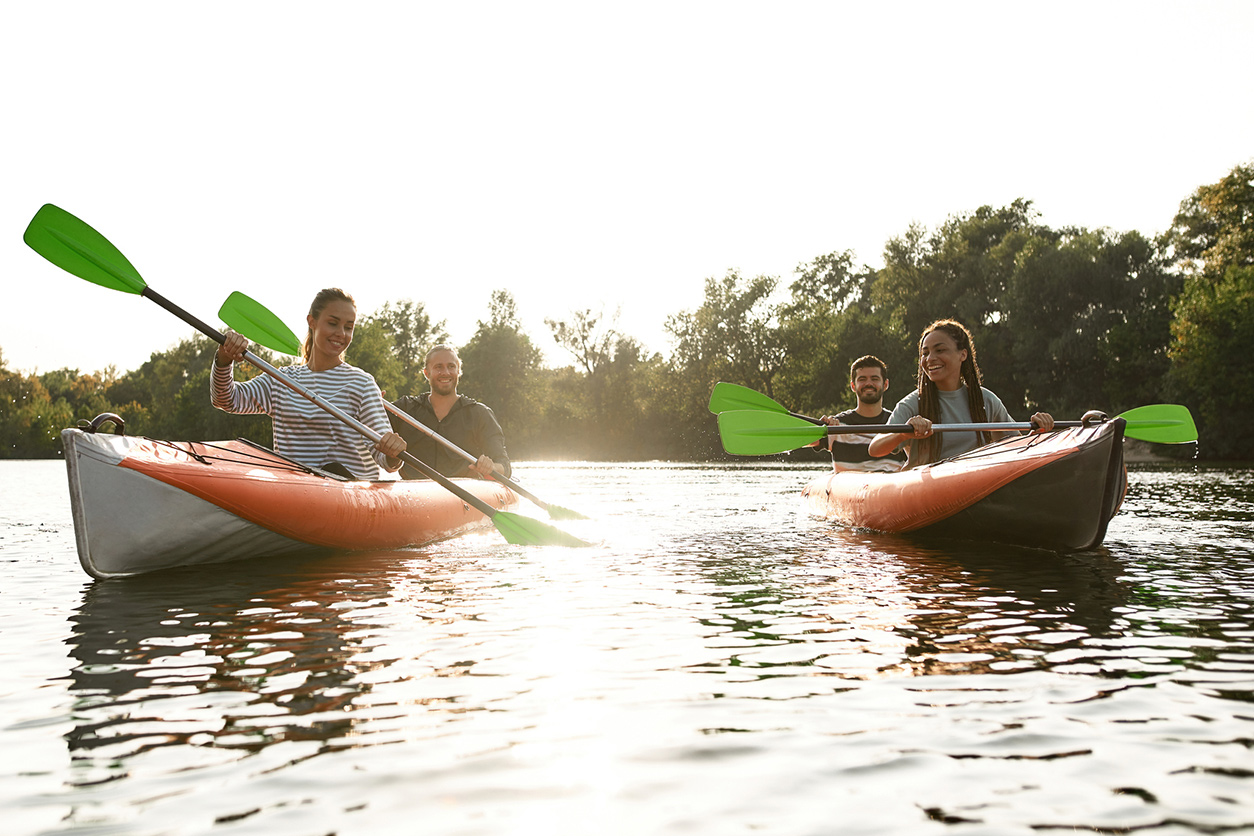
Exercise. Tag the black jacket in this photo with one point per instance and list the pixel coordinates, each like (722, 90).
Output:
(469, 424)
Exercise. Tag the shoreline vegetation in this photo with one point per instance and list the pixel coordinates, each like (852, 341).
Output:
(1066, 320)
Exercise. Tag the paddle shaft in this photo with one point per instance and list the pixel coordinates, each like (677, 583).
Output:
(906, 429)
(323, 404)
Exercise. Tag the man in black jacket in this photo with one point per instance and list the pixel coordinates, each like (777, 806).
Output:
(461, 419)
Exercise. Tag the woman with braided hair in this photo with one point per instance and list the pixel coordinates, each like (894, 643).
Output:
(949, 392)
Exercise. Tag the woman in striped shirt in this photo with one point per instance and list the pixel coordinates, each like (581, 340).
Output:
(302, 430)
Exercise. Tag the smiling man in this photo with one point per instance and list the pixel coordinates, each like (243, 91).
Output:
(462, 420)
(868, 378)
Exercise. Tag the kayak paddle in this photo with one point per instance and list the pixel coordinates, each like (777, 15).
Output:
(726, 397)
(75, 247)
(751, 432)
(731, 396)
(257, 322)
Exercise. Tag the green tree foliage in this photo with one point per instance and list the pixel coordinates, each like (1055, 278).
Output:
(732, 336)
(173, 389)
(960, 271)
(1214, 229)
(1212, 242)
(499, 367)
(600, 407)
(583, 335)
(373, 350)
(1215, 321)
(593, 345)
(1064, 320)
(1086, 323)
(35, 408)
(394, 344)
(636, 410)
(828, 324)
(32, 420)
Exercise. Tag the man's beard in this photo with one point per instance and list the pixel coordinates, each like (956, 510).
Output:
(443, 389)
(870, 397)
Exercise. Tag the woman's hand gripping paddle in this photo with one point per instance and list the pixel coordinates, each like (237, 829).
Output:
(75, 247)
(257, 322)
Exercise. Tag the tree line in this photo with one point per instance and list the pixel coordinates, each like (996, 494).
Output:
(1064, 320)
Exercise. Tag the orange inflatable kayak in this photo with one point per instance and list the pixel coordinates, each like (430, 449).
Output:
(142, 504)
(1053, 491)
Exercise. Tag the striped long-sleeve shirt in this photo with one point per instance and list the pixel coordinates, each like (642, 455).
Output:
(302, 430)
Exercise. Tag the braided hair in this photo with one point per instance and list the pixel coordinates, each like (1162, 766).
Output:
(929, 400)
(325, 297)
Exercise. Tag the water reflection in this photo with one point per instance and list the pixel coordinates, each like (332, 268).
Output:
(820, 601)
(237, 658)
(990, 609)
(861, 606)
(1211, 493)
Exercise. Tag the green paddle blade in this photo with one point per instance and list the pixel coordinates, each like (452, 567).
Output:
(729, 396)
(76, 248)
(254, 320)
(1160, 423)
(557, 512)
(752, 432)
(524, 531)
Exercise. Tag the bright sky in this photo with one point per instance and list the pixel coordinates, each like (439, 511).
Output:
(578, 154)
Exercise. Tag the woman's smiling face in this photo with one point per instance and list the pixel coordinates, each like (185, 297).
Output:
(941, 360)
(333, 331)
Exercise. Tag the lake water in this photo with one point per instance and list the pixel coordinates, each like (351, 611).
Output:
(719, 663)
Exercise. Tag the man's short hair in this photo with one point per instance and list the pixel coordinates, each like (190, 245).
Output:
(442, 347)
(866, 361)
